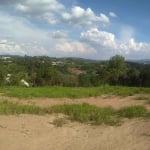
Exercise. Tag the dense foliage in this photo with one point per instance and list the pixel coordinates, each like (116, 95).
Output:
(46, 71)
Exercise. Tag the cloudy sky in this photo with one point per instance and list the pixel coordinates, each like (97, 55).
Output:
(96, 29)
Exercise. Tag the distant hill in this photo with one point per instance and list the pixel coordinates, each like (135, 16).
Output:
(77, 59)
(142, 61)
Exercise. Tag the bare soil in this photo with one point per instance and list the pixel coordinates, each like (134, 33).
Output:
(35, 132)
(103, 101)
(31, 132)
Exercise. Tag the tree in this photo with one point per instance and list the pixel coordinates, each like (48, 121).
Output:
(1, 77)
(115, 69)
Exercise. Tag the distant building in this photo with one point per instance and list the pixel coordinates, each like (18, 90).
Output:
(5, 57)
(56, 63)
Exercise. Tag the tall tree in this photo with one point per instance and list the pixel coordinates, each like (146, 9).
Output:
(114, 69)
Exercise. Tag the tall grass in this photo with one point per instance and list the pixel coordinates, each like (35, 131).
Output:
(8, 108)
(133, 111)
(70, 92)
(86, 113)
(83, 113)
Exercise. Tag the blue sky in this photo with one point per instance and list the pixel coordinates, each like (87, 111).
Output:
(97, 29)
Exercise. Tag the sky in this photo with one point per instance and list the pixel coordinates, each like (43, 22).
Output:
(93, 29)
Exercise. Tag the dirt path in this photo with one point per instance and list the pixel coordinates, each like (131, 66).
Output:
(31, 132)
(103, 101)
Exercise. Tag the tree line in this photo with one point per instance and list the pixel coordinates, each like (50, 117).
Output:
(46, 71)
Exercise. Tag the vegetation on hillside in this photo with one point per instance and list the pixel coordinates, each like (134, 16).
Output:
(46, 71)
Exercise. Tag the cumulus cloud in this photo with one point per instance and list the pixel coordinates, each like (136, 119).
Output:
(131, 45)
(101, 38)
(16, 48)
(54, 12)
(18, 35)
(26, 32)
(36, 7)
(112, 14)
(59, 34)
(7, 47)
(106, 43)
(45, 10)
(30, 40)
(75, 47)
(80, 16)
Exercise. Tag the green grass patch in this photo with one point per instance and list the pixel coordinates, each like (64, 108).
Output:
(86, 113)
(83, 113)
(133, 112)
(9, 108)
(70, 92)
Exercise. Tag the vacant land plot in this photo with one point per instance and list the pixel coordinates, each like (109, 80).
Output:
(108, 122)
(34, 132)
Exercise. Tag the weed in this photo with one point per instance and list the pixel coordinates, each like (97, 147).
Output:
(133, 111)
(59, 122)
(15, 108)
(83, 113)
(86, 113)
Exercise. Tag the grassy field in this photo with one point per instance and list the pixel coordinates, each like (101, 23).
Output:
(70, 92)
(83, 113)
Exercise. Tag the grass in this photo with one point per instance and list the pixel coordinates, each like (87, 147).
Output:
(70, 92)
(83, 113)
(59, 122)
(133, 111)
(145, 98)
(142, 98)
(86, 113)
(7, 108)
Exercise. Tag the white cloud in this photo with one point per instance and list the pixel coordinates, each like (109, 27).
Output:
(36, 7)
(54, 12)
(59, 34)
(80, 17)
(19, 28)
(48, 18)
(7, 47)
(18, 35)
(132, 46)
(112, 14)
(106, 43)
(101, 38)
(45, 10)
(75, 47)
(30, 40)
(23, 34)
